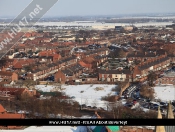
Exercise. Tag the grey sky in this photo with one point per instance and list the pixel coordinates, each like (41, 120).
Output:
(92, 7)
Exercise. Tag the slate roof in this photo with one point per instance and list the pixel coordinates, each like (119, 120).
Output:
(114, 71)
(147, 65)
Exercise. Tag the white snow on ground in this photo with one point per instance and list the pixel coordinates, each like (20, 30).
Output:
(84, 94)
(96, 24)
(165, 93)
(51, 129)
(45, 88)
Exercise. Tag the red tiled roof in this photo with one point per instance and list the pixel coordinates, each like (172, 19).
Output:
(13, 91)
(47, 53)
(18, 65)
(84, 64)
(2, 109)
(11, 116)
(6, 73)
(89, 60)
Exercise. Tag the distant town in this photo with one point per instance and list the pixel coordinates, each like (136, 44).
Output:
(120, 68)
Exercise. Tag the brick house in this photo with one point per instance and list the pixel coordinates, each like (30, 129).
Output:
(115, 75)
(65, 62)
(42, 71)
(166, 78)
(19, 64)
(69, 74)
(49, 55)
(5, 115)
(155, 65)
(11, 93)
(89, 63)
(101, 59)
(146, 55)
(7, 76)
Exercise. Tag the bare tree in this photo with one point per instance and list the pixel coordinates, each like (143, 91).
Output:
(147, 91)
(29, 83)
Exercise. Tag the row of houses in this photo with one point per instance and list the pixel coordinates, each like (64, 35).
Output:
(134, 73)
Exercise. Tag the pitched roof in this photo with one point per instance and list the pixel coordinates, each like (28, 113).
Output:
(2, 109)
(83, 64)
(114, 71)
(12, 91)
(147, 65)
(89, 60)
(11, 116)
(5, 73)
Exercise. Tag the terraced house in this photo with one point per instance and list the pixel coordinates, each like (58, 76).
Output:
(156, 65)
(71, 73)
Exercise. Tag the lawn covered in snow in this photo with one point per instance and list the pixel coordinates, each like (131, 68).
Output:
(84, 94)
(165, 93)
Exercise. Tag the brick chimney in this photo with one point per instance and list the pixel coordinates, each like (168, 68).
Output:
(145, 53)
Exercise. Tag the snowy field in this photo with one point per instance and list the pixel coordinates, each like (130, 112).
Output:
(51, 129)
(84, 94)
(101, 24)
(165, 93)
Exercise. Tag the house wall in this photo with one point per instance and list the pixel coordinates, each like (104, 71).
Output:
(14, 77)
(59, 76)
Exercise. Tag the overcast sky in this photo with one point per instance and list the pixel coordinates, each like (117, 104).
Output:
(92, 7)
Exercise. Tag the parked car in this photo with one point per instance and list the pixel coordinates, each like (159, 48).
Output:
(73, 97)
(83, 106)
(138, 98)
(89, 107)
(163, 103)
(148, 100)
(94, 107)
